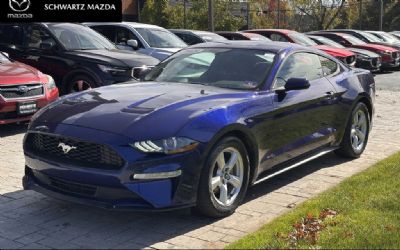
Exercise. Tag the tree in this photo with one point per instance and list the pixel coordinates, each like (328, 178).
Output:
(322, 13)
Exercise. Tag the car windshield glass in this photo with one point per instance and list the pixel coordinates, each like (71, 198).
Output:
(370, 37)
(301, 39)
(3, 58)
(160, 38)
(329, 42)
(211, 37)
(389, 38)
(243, 69)
(79, 37)
(354, 40)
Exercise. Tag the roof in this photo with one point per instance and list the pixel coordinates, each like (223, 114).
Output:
(191, 31)
(259, 45)
(131, 24)
(284, 31)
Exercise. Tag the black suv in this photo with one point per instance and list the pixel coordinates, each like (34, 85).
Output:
(77, 57)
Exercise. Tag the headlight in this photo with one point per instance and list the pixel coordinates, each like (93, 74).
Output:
(386, 53)
(51, 84)
(173, 145)
(113, 70)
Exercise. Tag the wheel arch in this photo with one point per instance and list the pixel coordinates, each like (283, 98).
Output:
(76, 72)
(244, 134)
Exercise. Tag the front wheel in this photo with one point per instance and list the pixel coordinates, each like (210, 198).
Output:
(356, 134)
(224, 179)
(79, 83)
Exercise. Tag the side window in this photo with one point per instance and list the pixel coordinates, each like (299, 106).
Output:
(278, 38)
(106, 31)
(11, 34)
(124, 34)
(36, 36)
(299, 65)
(329, 67)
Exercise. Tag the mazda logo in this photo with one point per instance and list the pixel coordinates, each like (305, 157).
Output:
(19, 5)
(23, 89)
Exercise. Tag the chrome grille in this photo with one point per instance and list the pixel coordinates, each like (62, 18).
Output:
(21, 91)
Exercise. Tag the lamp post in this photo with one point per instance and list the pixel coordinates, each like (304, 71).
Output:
(184, 14)
(211, 15)
(381, 15)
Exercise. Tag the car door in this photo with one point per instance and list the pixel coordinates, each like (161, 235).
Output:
(302, 119)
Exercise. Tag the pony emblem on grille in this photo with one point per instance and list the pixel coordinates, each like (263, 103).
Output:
(66, 148)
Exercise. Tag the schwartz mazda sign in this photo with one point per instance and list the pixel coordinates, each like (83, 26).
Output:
(60, 10)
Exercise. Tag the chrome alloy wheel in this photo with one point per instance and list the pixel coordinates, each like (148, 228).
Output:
(359, 129)
(226, 177)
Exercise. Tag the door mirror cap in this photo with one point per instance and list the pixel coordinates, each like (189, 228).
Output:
(5, 54)
(297, 84)
(132, 43)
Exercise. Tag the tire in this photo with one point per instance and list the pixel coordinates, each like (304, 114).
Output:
(72, 84)
(348, 147)
(209, 200)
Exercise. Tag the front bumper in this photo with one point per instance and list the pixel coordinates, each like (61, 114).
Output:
(371, 64)
(8, 108)
(393, 63)
(161, 182)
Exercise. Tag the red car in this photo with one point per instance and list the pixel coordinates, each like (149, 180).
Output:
(23, 90)
(282, 35)
(390, 56)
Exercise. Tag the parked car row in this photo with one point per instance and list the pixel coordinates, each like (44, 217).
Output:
(81, 57)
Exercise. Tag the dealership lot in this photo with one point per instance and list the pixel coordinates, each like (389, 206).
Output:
(30, 220)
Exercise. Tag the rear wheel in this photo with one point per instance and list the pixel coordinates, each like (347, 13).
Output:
(357, 131)
(224, 179)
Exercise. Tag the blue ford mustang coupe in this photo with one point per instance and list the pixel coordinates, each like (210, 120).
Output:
(202, 127)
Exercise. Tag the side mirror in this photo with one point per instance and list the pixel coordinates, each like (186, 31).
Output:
(297, 84)
(143, 74)
(46, 45)
(132, 43)
(5, 54)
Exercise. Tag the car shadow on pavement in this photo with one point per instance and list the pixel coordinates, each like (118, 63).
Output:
(13, 129)
(67, 225)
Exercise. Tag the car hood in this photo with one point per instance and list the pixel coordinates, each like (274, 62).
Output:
(336, 52)
(133, 109)
(120, 58)
(364, 52)
(14, 72)
(375, 47)
(163, 53)
(392, 45)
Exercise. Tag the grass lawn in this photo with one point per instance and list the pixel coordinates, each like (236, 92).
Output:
(364, 212)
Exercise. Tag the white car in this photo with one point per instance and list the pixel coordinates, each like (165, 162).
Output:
(145, 38)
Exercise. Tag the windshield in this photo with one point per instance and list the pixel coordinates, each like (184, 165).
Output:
(388, 37)
(301, 39)
(3, 58)
(160, 38)
(78, 37)
(329, 42)
(354, 40)
(243, 69)
(256, 37)
(370, 37)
